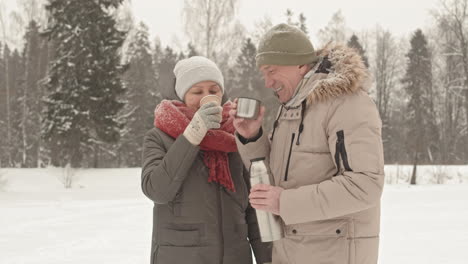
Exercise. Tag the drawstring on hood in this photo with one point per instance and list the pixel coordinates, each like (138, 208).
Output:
(301, 126)
(275, 125)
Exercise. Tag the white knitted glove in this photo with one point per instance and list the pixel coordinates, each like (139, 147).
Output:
(206, 118)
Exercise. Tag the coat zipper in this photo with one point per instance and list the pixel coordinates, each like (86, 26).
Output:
(341, 151)
(344, 154)
(289, 157)
(220, 217)
(337, 154)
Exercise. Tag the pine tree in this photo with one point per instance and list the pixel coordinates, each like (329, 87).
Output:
(353, 42)
(3, 110)
(45, 56)
(16, 81)
(248, 83)
(142, 97)
(30, 106)
(302, 23)
(84, 83)
(248, 80)
(289, 14)
(181, 56)
(166, 80)
(422, 132)
(157, 53)
(6, 108)
(191, 51)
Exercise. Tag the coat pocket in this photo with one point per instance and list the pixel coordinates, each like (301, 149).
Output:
(322, 241)
(181, 235)
(366, 250)
(180, 255)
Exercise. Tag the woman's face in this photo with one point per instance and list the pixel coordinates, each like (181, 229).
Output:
(198, 91)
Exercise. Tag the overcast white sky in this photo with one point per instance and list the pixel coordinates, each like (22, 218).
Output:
(401, 17)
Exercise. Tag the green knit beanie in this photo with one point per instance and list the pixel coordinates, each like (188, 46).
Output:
(285, 45)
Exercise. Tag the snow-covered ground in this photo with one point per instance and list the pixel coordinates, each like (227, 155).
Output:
(105, 218)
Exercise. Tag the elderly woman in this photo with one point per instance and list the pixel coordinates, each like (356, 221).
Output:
(195, 177)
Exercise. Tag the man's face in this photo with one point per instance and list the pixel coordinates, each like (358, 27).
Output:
(283, 79)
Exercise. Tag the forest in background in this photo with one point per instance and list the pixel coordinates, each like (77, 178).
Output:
(79, 80)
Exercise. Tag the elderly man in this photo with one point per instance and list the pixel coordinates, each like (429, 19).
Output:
(325, 152)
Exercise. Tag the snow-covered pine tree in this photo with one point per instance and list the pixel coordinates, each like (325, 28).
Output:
(30, 107)
(142, 97)
(166, 77)
(156, 54)
(248, 82)
(46, 54)
(181, 56)
(3, 110)
(422, 130)
(248, 77)
(191, 50)
(6, 159)
(289, 14)
(302, 23)
(354, 43)
(84, 84)
(16, 80)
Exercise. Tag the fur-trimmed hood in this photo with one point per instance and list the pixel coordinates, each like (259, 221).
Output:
(342, 72)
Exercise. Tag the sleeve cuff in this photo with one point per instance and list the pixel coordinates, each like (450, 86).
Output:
(245, 141)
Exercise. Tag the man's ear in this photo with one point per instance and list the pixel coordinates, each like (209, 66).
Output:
(303, 69)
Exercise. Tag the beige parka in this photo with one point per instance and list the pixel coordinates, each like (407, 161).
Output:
(326, 152)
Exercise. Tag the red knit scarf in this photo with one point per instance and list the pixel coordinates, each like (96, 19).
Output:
(172, 117)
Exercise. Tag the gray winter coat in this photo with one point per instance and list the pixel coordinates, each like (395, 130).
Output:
(195, 221)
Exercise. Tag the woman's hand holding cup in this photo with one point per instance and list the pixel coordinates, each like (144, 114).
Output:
(207, 117)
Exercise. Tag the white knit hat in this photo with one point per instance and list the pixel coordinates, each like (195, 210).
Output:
(194, 70)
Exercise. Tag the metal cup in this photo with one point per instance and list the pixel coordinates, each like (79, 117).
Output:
(248, 108)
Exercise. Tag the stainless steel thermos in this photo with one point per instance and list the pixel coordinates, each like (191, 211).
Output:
(269, 225)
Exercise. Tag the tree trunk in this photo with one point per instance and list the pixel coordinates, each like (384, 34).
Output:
(7, 87)
(466, 113)
(96, 156)
(415, 165)
(24, 114)
(23, 126)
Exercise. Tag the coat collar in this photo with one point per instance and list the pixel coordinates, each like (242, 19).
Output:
(340, 71)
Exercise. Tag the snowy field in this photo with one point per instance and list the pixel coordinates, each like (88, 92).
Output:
(105, 218)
